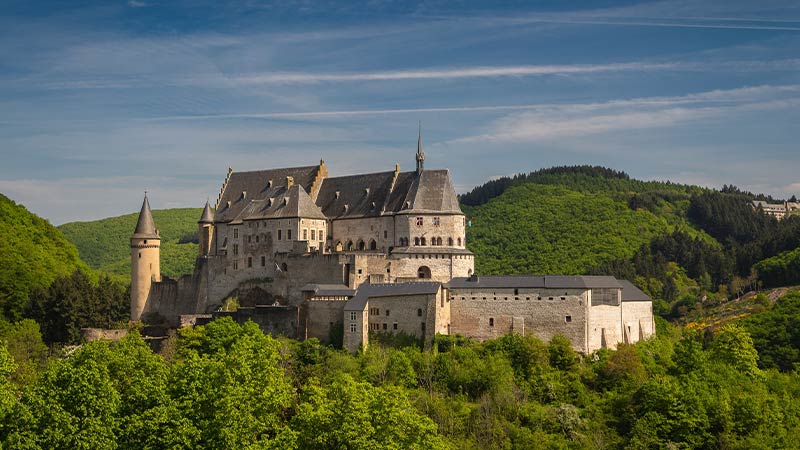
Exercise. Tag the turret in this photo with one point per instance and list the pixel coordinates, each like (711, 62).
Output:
(205, 230)
(145, 260)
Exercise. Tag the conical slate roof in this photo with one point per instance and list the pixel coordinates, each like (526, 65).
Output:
(146, 227)
(208, 216)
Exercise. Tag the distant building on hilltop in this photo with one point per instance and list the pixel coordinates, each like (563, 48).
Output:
(777, 210)
(307, 255)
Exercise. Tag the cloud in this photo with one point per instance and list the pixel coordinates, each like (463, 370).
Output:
(136, 4)
(549, 122)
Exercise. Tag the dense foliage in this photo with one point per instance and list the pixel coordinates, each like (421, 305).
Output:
(33, 253)
(74, 302)
(104, 244)
(228, 386)
(534, 228)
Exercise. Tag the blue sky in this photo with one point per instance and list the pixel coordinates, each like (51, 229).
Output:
(101, 101)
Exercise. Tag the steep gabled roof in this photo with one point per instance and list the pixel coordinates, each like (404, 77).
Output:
(355, 195)
(145, 226)
(261, 185)
(291, 203)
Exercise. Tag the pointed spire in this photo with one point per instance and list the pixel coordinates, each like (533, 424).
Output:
(420, 153)
(146, 227)
(208, 215)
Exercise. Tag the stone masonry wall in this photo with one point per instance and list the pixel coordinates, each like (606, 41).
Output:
(538, 312)
(634, 314)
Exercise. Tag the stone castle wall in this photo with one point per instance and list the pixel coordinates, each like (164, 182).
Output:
(488, 314)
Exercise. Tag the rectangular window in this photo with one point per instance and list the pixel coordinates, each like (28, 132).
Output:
(305, 234)
(385, 326)
(387, 313)
(394, 326)
(235, 249)
(263, 261)
(352, 327)
(279, 235)
(313, 235)
(288, 235)
(491, 321)
(236, 233)
(436, 221)
(352, 315)
(249, 261)
(236, 265)
(419, 221)
(568, 319)
(385, 234)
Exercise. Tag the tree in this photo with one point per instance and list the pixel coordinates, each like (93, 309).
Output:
(733, 345)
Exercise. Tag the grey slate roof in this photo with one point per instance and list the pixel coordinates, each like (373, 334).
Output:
(630, 293)
(292, 203)
(208, 215)
(257, 186)
(433, 191)
(367, 291)
(533, 281)
(353, 196)
(145, 226)
(329, 290)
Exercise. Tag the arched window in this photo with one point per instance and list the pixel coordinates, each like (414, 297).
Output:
(350, 246)
(422, 240)
(416, 241)
(459, 242)
(284, 267)
(438, 241)
(424, 272)
(450, 242)
(373, 245)
(361, 245)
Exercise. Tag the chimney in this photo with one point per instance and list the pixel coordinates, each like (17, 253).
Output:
(289, 182)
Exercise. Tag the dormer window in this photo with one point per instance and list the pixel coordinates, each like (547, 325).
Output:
(244, 195)
(366, 191)
(336, 195)
(345, 208)
(285, 201)
(408, 205)
(271, 201)
(269, 183)
(373, 205)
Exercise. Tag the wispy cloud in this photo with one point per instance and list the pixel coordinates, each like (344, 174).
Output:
(136, 4)
(662, 24)
(571, 120)
(716, 96)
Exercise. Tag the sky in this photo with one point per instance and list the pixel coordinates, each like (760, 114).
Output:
(100, 101)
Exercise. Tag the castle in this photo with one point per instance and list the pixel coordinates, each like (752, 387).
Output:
(307, 255)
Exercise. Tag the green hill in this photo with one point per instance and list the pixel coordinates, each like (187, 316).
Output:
(571, 219)
(104, 244)
(33, 253)
(678, 243)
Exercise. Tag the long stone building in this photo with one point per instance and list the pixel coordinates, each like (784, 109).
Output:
(308, 255)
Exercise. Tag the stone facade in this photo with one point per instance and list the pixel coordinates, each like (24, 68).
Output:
(312, 256)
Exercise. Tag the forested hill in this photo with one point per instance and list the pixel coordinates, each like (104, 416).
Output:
(677, 242)
(104, 244)
(33, 253)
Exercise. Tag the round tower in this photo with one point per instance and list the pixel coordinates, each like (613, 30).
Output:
(205, 230)
(145, 260)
